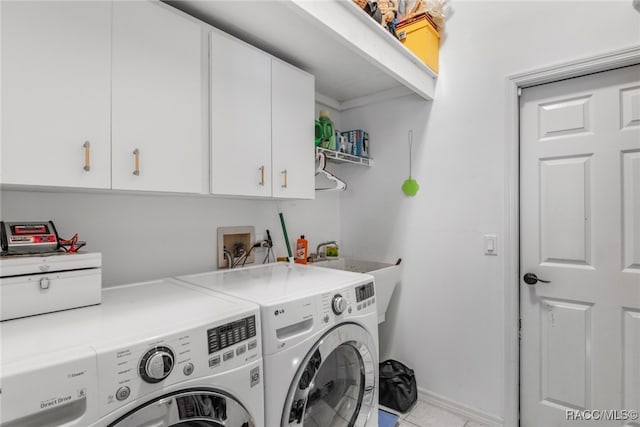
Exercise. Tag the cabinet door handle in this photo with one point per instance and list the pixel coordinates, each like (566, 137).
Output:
(136, 160)
(284, 172)
(261, 168)
(87, 156)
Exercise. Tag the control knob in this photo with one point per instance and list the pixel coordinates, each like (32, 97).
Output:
(339, 304)
(156, 364)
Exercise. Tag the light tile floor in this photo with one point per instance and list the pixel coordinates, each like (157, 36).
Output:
(426, 415)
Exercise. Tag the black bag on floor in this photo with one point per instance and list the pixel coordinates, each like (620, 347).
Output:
(398, 389)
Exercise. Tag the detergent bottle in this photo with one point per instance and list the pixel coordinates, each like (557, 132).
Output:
(302, 250)
(328, 139)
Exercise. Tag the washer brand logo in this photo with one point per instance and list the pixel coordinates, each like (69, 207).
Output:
(54, 402)
(76, 374)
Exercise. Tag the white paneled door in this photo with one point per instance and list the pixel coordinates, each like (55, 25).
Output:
(580, 231)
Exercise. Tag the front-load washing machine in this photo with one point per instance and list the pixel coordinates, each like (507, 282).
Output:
(320, 341)
(159, 353)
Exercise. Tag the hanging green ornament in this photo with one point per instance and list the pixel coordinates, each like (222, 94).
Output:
(410, 186)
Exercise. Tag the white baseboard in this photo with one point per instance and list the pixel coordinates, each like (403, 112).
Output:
(458, 408)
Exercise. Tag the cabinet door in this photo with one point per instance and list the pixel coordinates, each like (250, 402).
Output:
(240, 118)
(56, 61)
(157, 99)
(292, 138)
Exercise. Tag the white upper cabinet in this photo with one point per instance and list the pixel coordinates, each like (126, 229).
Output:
(240, 118)
(56, 60)
(262, 113)
(157, 142)
(101, 94)
(292, 130)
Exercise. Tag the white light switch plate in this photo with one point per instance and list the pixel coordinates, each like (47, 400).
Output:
(490, 244)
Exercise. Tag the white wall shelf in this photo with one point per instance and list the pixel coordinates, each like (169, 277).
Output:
(355, 61)
(338, 157)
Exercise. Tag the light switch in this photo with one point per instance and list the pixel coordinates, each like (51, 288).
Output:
(490, 244)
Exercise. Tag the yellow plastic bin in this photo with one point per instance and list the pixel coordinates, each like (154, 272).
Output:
(419, 35)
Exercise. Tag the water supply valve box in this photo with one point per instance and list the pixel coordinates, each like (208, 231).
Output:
(234, 246)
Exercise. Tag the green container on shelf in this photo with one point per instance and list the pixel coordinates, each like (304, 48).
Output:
(326, 131)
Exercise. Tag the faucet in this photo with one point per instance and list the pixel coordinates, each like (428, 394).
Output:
(333, 242)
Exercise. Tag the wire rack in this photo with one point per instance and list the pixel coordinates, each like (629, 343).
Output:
(336, 156)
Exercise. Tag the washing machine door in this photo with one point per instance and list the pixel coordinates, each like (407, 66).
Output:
(192, 408)
(335, 384)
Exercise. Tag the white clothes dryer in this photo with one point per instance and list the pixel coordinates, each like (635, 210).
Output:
(159, 353)
(320, 341)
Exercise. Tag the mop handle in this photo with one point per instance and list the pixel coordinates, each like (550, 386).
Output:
(286, 237)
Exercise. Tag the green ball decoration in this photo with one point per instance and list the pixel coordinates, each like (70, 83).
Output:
(410, 187)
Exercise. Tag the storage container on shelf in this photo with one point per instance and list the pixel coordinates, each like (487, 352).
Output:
(357, 142)
(420, 36)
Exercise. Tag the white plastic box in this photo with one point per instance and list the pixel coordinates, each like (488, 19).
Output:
(39, 284)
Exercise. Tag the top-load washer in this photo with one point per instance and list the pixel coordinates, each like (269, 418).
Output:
(159, 353)
(320, 341)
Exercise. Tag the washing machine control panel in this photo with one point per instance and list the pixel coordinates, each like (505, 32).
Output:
(365, 298)
(291, 322)
(150, 364)
(354, 300)
(230, 334)
(364, 292)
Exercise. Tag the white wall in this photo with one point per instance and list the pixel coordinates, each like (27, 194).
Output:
(144, 236)
(447, 318)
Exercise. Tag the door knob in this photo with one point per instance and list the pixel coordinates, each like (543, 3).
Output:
(532, 279)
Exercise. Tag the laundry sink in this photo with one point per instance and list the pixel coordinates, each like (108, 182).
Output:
(386, 275)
